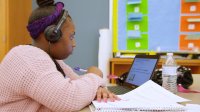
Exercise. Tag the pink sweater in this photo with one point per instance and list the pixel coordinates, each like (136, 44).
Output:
(30, 82)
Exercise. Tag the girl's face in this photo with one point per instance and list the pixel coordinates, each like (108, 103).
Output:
(64, 46)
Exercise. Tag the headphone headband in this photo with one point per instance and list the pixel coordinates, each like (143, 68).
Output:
(61, 21)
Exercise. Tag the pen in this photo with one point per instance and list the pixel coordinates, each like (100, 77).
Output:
(80, 69)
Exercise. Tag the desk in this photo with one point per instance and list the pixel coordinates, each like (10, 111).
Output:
(119, 66)
(195, 97)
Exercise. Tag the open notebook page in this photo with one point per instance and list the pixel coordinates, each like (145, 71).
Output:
(153, 92)
(147, 96)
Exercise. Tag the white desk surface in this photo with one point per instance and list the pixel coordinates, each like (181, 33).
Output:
(195, 97)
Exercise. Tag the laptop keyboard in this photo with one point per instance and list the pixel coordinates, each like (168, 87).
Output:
(118, 90)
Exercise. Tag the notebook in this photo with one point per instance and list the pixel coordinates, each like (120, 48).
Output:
(149, 97)
(141, 71)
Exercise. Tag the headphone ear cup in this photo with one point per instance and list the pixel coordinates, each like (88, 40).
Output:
(51, 35)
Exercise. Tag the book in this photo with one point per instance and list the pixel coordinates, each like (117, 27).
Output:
(146, 98)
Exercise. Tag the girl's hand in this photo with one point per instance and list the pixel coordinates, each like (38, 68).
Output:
(105, 95)
(95, 70)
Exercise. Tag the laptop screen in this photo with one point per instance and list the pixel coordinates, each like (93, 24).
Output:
(141, 70)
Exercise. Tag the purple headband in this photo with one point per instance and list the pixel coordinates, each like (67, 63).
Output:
(38, 26)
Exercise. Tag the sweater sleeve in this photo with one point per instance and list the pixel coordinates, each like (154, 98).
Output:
(40, 80)
(70, 73)
(59, 94)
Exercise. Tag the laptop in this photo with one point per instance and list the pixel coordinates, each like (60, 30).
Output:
(142, 70)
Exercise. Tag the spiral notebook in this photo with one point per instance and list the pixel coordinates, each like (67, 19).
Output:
(149, 97)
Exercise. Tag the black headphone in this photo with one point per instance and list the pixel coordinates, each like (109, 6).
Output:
(53, 32)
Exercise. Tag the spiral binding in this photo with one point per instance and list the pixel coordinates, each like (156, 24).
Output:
(139, 109)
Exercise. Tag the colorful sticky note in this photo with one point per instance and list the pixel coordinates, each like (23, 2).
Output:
(193, 37)
(134, 34)
(193, 20)
(135, 16)
(133, 1)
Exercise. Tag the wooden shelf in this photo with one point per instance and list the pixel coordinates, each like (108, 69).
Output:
(119, 66)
